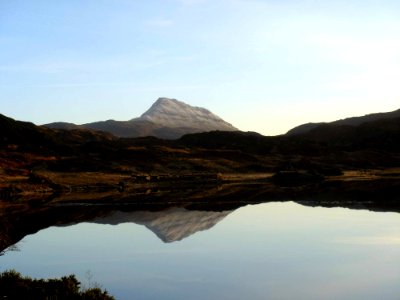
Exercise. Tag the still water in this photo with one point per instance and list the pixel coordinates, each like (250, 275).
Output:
(268, 251)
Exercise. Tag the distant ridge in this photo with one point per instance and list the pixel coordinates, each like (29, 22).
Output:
(353, 121)
(63, 125)
(166, 118)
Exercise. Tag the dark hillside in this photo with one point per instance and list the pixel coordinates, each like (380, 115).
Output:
(353, 121)
(250, 142)
(26, 136)
(383, 134)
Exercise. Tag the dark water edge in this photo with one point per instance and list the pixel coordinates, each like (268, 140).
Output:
(25, 216)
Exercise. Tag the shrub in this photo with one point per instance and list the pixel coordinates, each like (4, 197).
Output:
(15, 286)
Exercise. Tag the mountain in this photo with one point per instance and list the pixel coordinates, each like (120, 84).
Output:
(166, 118)
(170, 225)
(176, 114)
(353, 121)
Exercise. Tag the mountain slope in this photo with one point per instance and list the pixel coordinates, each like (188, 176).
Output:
(353, 121)
(166, 118)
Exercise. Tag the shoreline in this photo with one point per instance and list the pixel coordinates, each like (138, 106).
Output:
(93, 186)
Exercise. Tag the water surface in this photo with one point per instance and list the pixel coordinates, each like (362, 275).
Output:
(279, 250)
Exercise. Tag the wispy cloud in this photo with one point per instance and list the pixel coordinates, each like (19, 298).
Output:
(57, 66)
(53, 67)
(115, 85)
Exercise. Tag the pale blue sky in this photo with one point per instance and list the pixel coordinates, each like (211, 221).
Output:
(262, 65)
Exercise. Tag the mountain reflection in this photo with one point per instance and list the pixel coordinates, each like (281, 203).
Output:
(170, 225)
(177, 215)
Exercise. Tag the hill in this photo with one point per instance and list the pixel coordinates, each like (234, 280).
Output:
(353, 121)
(27, 137)
(382, 134)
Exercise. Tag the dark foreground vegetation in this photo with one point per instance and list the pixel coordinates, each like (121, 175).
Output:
(15, 286)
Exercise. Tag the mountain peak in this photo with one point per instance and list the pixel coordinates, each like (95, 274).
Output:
(164, 105)
(166, 100)
(172, 113)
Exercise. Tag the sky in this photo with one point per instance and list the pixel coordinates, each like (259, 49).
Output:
(262, 65)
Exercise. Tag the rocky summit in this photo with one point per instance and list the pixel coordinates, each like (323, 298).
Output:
(166, 118)
(173, 113)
